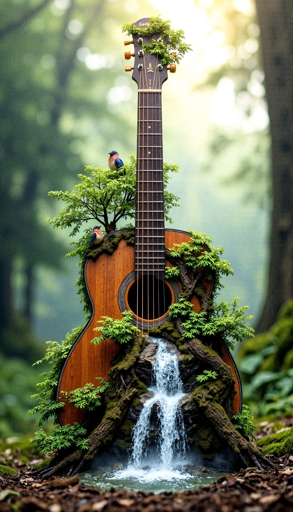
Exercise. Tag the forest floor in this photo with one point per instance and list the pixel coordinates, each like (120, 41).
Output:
(249, 490)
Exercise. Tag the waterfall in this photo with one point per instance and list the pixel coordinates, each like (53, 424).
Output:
(167, 393)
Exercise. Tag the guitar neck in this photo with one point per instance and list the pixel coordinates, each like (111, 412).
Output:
(149, 225)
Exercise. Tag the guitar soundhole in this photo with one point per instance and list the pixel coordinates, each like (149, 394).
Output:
(149, 298)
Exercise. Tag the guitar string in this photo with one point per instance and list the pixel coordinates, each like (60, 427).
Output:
(150, 150)
(139, 269)
(145, 230)
(161, 294)
(137, 207)
(140, 256)
(155, 188)
(149, 222)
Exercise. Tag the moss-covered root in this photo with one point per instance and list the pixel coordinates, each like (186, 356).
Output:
(222, 390)
(209, 398)
(100, 438)
(247, 451)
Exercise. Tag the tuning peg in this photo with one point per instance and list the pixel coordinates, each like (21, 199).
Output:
(126, 43)
(128, 55)
(128, 68)
(172, 68)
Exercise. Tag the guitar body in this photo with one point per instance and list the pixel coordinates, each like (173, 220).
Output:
(108, 280)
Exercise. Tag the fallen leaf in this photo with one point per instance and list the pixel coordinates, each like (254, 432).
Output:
(126, 502)
(7, 493)
(271, 498)
(255, 496)
(287, 471)
(55, 507)
(99, 506)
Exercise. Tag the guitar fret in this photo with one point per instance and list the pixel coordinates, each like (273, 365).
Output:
(144, 262)
(159, 258)
(149, 224)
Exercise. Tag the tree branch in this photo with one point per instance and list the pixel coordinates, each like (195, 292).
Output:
(24, 19)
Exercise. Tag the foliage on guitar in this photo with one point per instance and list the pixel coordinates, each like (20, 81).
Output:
(170, 48)
(191, 280)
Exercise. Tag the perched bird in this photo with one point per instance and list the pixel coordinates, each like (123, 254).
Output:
(114, 161)
(96, 237)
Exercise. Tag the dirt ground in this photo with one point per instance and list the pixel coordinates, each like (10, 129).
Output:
(250, 490)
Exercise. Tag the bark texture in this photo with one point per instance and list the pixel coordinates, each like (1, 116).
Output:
(275, 19)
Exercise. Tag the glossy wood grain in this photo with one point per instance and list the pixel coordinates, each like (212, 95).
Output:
(86, 361)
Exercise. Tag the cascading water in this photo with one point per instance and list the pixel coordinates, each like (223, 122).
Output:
(167, 393)
(159, 444)
(159, 460)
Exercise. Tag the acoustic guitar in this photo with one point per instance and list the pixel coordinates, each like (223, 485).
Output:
(133, 277)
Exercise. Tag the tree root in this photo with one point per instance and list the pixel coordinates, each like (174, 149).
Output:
(211, 399)
(99, 439)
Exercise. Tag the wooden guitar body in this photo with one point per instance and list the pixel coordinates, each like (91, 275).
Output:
(133, 277)
(108, 280)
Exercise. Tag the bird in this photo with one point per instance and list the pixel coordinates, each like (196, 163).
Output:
(114, 161)
(96, 237)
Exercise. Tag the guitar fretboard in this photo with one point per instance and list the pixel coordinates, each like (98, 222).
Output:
(149, 225)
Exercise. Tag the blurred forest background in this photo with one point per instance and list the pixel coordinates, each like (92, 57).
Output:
(66, 102)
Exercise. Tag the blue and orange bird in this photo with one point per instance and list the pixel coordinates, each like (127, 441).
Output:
(96, 237)
(114, 161)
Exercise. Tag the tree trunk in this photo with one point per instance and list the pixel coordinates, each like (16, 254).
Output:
(5, 293)
(28, 292)
(275, 21)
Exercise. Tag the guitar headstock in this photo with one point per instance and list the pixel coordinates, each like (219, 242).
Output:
(148, 71)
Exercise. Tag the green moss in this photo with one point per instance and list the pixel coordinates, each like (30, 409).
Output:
(136, 402)
(140, 386)
(138, 343)
(7, 471)
(127, 427)
(207, 442)
(277, 444)
(124, 440)
(42, 465)
(24, 459)
(168, 331)
(124, 445)
(110, 244)
(21, 447)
